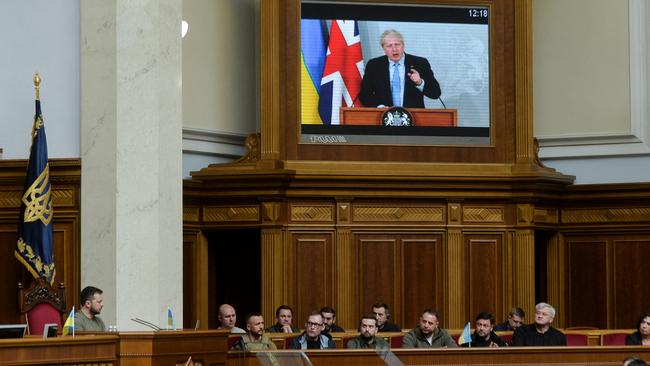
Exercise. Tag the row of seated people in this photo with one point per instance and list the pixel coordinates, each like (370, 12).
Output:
(319, 334)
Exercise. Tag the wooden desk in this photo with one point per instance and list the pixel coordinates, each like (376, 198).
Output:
(78, 350)
(475, 356)
(173, 347)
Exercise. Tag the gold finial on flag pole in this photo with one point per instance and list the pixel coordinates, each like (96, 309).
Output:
(37, 83)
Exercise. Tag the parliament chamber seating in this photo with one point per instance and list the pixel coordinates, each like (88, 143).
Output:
(573, 339)
(41, 305)
(613, 339)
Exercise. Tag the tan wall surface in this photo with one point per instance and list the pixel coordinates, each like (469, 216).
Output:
(581, 67)
(219, 65)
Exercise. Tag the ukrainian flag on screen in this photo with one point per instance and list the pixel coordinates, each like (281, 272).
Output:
(313, 45)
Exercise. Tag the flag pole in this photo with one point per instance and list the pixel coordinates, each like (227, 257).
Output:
(37, 85)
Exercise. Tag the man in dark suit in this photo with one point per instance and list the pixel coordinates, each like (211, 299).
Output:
(397, 79)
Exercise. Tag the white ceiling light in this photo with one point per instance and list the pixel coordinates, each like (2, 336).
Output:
(184, 28)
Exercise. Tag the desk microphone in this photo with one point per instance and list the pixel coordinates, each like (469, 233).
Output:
(146, 323)
(443, 103)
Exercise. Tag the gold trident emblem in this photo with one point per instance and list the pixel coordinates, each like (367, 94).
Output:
(38, 199)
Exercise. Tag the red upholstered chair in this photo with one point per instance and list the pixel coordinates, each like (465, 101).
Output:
(507, 338)
(233, 340)
(41, 305)
(613, 339)
(396, 341)
(576, 339)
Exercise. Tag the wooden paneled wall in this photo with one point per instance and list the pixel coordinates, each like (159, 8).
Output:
(65, 176)
(457, 255)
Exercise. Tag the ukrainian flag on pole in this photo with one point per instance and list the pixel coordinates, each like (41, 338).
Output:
(465, 336)
(69, 324)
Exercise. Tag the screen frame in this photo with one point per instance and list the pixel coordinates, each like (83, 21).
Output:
(12, 331)
(510, 92)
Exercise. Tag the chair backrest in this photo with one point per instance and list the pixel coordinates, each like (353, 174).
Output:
(613, 339)
(576, 339)
(396, 341)
(233, 340)
(507, 338)
(41, 305)
(40, 315)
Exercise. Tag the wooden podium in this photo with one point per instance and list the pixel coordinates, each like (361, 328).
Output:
(421, 116)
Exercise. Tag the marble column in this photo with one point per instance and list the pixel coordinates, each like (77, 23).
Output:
(131, 152)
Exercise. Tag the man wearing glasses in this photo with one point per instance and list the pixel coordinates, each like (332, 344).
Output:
(312, 337)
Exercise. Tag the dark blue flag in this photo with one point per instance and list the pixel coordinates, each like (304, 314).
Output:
(35, 245)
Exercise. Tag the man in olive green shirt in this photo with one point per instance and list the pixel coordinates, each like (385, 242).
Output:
(254, 339)
(87, 319)
(428, 334)
(368, 337)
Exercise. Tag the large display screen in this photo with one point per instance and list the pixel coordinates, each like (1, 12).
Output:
(344, 64)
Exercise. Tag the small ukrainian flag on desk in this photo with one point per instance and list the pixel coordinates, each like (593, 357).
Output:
(465, 336)
(171, 324)
(69, 324)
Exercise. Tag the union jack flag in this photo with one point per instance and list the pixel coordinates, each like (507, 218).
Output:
(341, 82)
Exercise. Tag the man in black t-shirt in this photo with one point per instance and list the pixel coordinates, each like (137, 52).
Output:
(540, 333)
(484, 335)
(382, 313)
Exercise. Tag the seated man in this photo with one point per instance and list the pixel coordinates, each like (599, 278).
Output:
(540, 333)
(483, 335)
(254, 339)
(227, 319)
(329, 319)
(87, 317)
(312, 337)
(367, 338)
(382, 313)
(283, 318)
(428, 334)
(515, 320)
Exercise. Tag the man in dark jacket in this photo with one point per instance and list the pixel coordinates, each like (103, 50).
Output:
(329, 319)
(283, 318)
(312, 337)
(428, 334)
(540, 333)
(368, 337)
(397, 78)
(515, 320)
(484, 335)
(382, 313)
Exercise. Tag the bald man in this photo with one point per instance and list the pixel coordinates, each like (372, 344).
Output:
(227, 318)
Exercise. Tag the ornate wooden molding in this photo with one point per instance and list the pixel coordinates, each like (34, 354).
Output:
(604, 215)
(343, 212)
(191, 214)
(478, 214)
(230, 214)
(344, 277)
(556, 278)
(524, 270)
(10, 199)
(270, 212)
(546, 215)
(524, 80)
(429, 214)
(311, 213)
(275, 281)
(455, 280)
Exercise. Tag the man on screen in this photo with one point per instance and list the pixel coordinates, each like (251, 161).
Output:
(397, 79)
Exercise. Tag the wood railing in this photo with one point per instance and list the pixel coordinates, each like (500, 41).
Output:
(592, 337)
